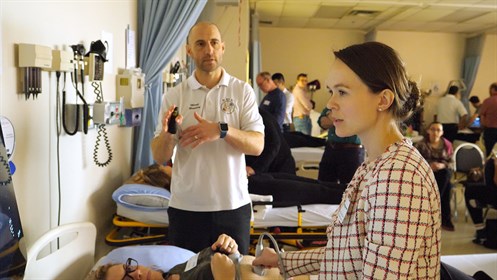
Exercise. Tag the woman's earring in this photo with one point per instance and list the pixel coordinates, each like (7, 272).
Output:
(379, 109)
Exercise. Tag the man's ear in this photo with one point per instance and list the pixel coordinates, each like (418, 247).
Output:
(386, 99)
(188, 50)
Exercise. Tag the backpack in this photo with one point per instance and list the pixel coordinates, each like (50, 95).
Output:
(475, 175)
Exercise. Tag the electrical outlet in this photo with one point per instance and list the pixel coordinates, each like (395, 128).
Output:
(132, 117)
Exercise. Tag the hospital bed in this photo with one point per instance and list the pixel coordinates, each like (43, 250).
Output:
(141, 217)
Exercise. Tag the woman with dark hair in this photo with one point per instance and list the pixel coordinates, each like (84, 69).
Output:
(388, 223)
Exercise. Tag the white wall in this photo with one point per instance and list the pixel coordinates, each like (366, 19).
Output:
(294, 50)
(433, 58)
(436, 58)
(85, 188)
(233, 22)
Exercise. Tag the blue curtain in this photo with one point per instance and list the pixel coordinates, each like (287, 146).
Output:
(472, 55)
(162, 28)
(255, 54)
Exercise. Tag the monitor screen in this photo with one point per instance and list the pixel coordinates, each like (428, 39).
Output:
(475, 123)
(12, 262)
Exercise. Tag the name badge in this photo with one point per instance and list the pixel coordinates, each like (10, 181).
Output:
(192, 262)
(343, 210)
(267, 102)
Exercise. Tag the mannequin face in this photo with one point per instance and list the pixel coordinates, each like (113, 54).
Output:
(116, 272)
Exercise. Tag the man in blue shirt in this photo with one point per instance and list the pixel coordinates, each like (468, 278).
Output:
(275, 101)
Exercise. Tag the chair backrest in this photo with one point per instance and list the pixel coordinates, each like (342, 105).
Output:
(467, 156)
(72, 260)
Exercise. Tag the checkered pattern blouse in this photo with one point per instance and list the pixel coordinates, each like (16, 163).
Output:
(390, 229)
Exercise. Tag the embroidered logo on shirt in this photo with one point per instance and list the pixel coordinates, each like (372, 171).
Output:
(194, 106)
(227, 105)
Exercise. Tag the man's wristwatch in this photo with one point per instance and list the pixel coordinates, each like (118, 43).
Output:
(223, 128)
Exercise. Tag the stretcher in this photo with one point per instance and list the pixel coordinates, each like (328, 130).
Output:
(147, 224)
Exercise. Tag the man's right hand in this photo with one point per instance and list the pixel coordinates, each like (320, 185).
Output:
(167, 115)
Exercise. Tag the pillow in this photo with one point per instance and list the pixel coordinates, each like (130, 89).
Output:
(142, 197)
(163, 257)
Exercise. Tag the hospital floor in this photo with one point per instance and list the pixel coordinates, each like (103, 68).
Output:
(459, 242)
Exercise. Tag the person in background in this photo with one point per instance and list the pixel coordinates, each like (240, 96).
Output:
(279, 80)
(276, 157)
(475, 102)
(220, 266)
(488, 118)
(154, 175)
(388, 223)
(477, 195)
(302, 106)
(342, 155)
(218, 124)
(274, 101)
(438, 152)
(451, 113)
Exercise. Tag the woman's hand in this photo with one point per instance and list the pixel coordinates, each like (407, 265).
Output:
(268, 258)
(435, 166)
(222, 267)
(225, 243)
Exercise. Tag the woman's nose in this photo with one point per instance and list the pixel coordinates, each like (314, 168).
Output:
(331, 104)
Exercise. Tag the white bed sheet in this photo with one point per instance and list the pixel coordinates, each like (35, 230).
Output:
(314, 215)
(148, 217)
(472, 263)
(307, 153)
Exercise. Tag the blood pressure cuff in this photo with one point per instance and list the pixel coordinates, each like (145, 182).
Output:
(198, 267)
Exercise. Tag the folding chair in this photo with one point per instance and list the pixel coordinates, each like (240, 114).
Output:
(465, 157)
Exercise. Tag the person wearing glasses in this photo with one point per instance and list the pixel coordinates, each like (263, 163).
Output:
(275, 100)
(438, 151)
(220, 266)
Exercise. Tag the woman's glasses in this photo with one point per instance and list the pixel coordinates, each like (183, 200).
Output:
(129, 267)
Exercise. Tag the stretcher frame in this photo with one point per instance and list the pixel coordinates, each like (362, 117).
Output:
(131, 232)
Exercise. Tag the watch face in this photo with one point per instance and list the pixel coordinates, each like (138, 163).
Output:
(224, 126)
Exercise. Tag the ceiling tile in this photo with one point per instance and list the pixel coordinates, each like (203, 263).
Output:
(490, 18)
(299, 10)
(292, 22)
(335, 12)
(269, 9)
(402, 25)
(457, 16)
(409, 11)
(321, 22)
(430, 14)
